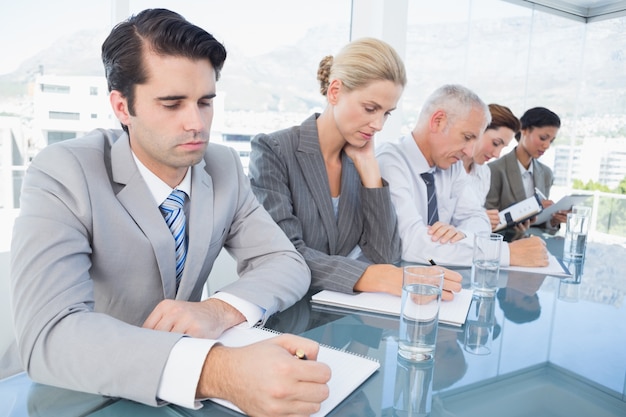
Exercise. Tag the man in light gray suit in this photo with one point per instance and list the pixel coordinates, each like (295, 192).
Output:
(98, 306)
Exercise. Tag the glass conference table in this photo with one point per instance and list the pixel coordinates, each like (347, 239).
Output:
(550, 347)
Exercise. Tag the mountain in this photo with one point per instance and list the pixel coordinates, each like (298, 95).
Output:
(268, 82)
(578, 69)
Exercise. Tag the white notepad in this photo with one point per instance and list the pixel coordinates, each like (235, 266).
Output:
(519, 212)
(452, 312)
(349, 370)
(555, 268)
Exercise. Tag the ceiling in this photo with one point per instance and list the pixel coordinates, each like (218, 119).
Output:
(582, 10)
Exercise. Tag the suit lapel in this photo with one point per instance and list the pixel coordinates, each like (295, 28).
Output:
(310, 160)
(139, 203)
(200, 226)
(515, 177)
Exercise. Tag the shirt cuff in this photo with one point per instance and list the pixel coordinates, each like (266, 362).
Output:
(181, 374)
(505, 255)
(252, 312)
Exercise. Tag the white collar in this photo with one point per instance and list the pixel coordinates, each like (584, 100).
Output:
(523, 170)
(158, 188)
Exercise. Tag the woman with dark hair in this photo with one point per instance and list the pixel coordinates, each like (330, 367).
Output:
(515, 176)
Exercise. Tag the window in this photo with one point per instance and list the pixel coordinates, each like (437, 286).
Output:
(54, 137)
(507, 53)
(522, 58)
(58, 89)
(63, 115)
(228, 137)
(268, 83)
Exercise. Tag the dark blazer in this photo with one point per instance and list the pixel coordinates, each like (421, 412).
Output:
(92, 257)
(507, 187)
(288, 176)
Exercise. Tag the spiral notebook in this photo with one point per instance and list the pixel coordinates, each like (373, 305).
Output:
(452, 313)
(349, 370)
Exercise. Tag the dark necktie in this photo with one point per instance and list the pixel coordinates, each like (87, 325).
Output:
(174, 213)
(433, 215)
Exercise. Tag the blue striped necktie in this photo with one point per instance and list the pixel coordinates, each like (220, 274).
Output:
(174, 213)
(433, 214)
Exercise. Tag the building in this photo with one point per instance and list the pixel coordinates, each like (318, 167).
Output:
(68, 107)
(597, 159)
(13, 150)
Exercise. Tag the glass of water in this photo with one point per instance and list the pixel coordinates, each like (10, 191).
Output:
(576, 228)
(486, 263)
(419, 313)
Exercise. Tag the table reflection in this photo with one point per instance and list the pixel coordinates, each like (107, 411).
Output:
(569, 288)
(413, 388)
(519, 300)
(566, 335)
(480, 325)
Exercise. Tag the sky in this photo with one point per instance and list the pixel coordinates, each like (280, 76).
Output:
(253, 26)
(28, 26)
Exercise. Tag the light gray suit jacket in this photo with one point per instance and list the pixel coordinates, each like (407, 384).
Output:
(507, 187)
(288, 176)
(92, 257)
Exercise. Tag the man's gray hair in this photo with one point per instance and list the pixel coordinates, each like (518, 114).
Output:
(456, 101)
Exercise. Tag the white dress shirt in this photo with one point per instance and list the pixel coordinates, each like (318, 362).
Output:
(458, 204)
(480, 178)
(527, 178)
(181, 374)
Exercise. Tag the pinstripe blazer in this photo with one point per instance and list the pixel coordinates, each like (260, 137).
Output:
(506, 181)
(288, 176)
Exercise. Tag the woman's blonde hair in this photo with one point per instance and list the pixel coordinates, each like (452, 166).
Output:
(359, 63)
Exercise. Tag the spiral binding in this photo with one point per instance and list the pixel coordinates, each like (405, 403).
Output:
(277, 333)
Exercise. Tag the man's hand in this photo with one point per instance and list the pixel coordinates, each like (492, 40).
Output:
(265, 379)
(206, 319)
(445, 233)
(529, 251)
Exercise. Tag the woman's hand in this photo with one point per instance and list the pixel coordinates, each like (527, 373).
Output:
(366, 164)
(494, 217)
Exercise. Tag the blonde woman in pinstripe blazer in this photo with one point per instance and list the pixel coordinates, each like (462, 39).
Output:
(321, 182)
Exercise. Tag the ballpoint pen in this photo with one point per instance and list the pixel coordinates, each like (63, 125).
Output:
(300, 354)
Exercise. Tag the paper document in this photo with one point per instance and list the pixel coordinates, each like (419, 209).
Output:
(565, 203)
(452, 313)
(555, 268)
(349, 370)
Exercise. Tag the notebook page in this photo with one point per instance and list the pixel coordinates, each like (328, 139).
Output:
(349, 370)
